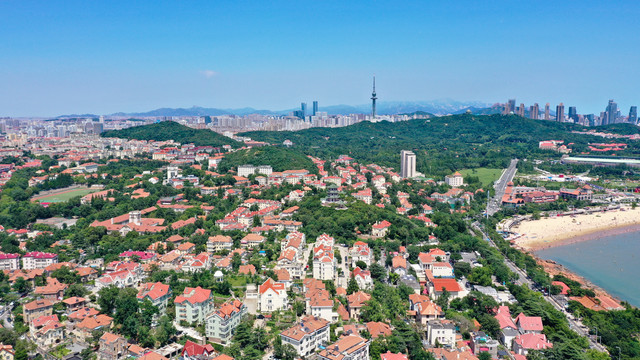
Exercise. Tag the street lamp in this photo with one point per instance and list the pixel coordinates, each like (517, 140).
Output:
(619, 352)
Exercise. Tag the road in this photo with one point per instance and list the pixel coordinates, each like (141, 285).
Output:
(574, 323)
(500, 186)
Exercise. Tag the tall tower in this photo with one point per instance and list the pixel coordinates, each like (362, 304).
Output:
(560, 112)
(633, 115)
(407, 164)
(303, 108)
(534, 111)
(546, 112)
(373, 99)
(573, 114)
(315, 108)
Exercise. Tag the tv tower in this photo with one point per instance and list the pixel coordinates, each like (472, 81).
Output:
(373, 99)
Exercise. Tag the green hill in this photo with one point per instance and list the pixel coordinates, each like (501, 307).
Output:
(170, 130)
(442, 144)
(279, 158)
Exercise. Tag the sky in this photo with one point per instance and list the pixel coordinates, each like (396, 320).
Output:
(101, 57)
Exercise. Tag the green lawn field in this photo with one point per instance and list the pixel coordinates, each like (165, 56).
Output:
(486, 175)
(62, 197)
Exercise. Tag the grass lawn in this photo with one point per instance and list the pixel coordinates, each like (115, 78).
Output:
(486, 175)
(66, 195)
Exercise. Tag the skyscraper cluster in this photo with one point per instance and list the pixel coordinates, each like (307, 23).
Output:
(611, 115)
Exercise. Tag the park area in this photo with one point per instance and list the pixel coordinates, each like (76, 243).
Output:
(61, 195)
(486, 175)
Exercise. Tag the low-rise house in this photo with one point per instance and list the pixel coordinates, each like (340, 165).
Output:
(441, 332)
(355, 302)
(399, 265)
(6, 352)
(158, 293)
(252, 240)
(53, 290)
(380, 229)
(74, 303)
(193, 305)
(362, 278)
(112, 346)
(36, 309)
(508, 329)
(50, 333)
(529, 324)
(377, 329)
(219, 243)
(524, 343)
(481, 342)
(198, 263)
(423, 309)
(272, 296)
(351, 347)
(193, 351)
(221, 323)
(86, 327)
(360, 252)
(438, 285)
(307, 336)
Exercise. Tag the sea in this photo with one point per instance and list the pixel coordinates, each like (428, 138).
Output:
(611, 262)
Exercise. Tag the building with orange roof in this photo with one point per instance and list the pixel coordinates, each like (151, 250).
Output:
(86, 327)
(307, 336)
(380, 229)
(423, 309)
(355, 302)
(351, 347)
(399, 265)
(220, 325)
(377, 329)
(455, 180)
(193, 305)
(152, 355)
(393, 356)
(74, 303)
(6, 352)
(35, 309)
(191, 350)
(158, 293)
(219, 243)
(437, 285)
(252, 240)
(53, 290)
(272, 296)
(111, 346)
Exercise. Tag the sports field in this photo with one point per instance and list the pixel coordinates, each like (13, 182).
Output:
(62, 195)
(486, 175)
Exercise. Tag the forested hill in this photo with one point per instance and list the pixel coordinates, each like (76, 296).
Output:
(442, 144)
(171, 130)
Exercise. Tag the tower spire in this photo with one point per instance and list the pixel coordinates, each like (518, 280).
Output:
(373, 99)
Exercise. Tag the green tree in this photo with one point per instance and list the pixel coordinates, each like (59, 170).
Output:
(352, 286)
(443, 299)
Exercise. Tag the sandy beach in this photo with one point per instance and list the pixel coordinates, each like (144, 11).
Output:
(557, 231)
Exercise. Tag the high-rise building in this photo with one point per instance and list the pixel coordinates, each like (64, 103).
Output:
(510, 107)
(407, 164)
(521, 110)
(373, 99)
(633, 115)
(315, 108)
(573, 114)
(560, 112)
(534, 111)
(547, 115)
(611, 113)
(303, 108)
(590, 120)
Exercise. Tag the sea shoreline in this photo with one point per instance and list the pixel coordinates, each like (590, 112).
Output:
(561, 231)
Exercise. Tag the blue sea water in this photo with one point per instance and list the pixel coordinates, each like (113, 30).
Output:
(612, 263)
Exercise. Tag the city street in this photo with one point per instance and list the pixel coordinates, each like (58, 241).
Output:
(500, 186)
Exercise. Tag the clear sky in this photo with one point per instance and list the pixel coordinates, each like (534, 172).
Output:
(61, 57)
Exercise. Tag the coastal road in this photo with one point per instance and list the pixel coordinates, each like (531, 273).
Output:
(575, 324)
(500, 186)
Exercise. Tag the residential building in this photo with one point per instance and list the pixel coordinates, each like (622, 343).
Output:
(455, 180)
(112, 346)
(38, 260)
(219, 243)
(158, 293)
(350, 347)
(36, 309)
(193, 351)
(360, 252)
(522, 344)
(221, 323)
(272, 296)
(9, 261)
(6, 352)
(193, 305)
(407, 164)
(441, 332)
(380, 228)
(307, 336)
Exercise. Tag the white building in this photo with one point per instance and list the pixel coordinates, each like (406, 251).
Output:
(9, 261)
(407, 164)
(360, 252)
(193, 305)
(441, 332)
(38, 260)
(272, 296)
(307, 336)
(246, 170)
(221, 324)
(323, 258)
(454, 180)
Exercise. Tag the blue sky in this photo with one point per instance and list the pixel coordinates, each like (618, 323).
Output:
(61, 57)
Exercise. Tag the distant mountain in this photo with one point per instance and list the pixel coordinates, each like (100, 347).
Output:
(495, 109)
(196, 111)
(171, 130)
(436, 107)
